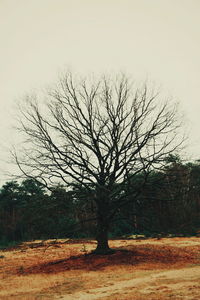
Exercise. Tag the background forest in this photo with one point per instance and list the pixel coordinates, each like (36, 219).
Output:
(169, 203)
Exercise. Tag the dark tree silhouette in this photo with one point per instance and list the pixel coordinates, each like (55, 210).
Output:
(98, 135)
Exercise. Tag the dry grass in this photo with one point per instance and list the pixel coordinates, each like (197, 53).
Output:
(168, 268)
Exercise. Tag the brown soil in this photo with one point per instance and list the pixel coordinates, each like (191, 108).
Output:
(167, 268)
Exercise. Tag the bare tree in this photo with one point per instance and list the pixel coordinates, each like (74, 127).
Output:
(99, 135)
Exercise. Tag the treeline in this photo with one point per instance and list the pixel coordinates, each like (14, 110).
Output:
(169, 202)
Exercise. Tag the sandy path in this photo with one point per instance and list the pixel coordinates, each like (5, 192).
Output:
(186, 275)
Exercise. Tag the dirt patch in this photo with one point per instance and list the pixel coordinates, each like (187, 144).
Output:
(150, 286)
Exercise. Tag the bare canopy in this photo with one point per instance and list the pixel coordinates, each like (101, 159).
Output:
(97, 134)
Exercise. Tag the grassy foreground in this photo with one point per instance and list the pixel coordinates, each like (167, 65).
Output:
(167, 268)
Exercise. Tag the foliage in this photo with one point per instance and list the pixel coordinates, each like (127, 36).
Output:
(168, 204)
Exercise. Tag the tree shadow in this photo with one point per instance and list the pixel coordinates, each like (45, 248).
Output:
(144, 256)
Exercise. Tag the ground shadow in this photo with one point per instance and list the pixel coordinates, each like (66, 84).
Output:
(129, 255)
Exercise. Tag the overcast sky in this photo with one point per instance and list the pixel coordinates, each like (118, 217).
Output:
(154, 39)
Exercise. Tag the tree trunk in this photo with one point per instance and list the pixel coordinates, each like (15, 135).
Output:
(102, 239)
(102, 222)
(102, 235)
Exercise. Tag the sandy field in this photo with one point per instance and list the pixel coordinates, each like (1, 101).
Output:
(167, 268)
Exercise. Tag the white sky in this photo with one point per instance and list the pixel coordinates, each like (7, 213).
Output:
(158, 39)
